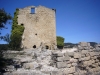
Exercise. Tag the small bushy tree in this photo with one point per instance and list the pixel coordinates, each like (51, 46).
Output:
(4, 17)
(60, 42)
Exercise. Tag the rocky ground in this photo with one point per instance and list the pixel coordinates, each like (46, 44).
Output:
(83, 60)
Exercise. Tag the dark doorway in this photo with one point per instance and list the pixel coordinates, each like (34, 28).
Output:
(22, 24)
(47, 47)
(36, 34)
(34, 46)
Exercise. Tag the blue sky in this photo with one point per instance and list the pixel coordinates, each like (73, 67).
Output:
(76, 20)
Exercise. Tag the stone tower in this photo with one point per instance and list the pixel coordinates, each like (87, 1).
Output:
(40, 27)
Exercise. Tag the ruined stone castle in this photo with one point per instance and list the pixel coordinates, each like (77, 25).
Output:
(40, 27)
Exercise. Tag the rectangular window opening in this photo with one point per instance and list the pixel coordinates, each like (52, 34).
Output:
(32, 10)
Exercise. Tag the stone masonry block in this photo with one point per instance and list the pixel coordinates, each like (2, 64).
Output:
(84, 51)
(70, 74)
(66, 58)
(87, 63)
(60, 59)
(92, 53)
(88, 44)
(79, 47)
(61, 64)
(86, 58)
(66, 54)
(86, 48)
(69, 65)
(71, 54)
(72, 60)
(72, 70)
(97, 53)
(60, 54)
(83, 44)
(74, 64)
(66, 71)
(77, 55)
(56, 73)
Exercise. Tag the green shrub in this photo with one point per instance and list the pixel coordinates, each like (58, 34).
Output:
(4, 47)
(16, 33)
(60, 42)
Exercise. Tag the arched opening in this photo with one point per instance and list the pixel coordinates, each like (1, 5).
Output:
(22, 24)
(47, 47)
(34, 46)
(36, 34)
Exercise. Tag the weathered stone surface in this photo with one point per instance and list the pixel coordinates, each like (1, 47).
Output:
(66, 58)
(34, 31)
(76, 73)
(84, 51)
(83, 44)
(56, 73)
(66, 54)
(66, 71)
(60, 59)
(32, 65)
(24, 58)
(82, 72)
(88, 44)
(82, 62)
(61, 64)
(86, 58)
(25, 73)
(27, 66)
(83, 55)
(94, 54)
(8, 73)
(77, 55)
(72, 60)
(96, 60)
(74, 64)
(60, 54)
(87, 54)
(95, 64)
(97, 48)
(69, 65)
(72, 70)
(87, 63)
(95, 57)
(57, 53)
(70, 74)
(91, 61)
(86, 48)
(10, 68)
(71, 54)
(97, 53)
(80, 47)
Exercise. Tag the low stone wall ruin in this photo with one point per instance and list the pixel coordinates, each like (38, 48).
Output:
(83, 61)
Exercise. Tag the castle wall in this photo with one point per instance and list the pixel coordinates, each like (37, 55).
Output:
(39, 26)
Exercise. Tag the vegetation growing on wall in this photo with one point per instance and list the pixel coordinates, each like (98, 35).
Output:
(60, 42)
(16, 33)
